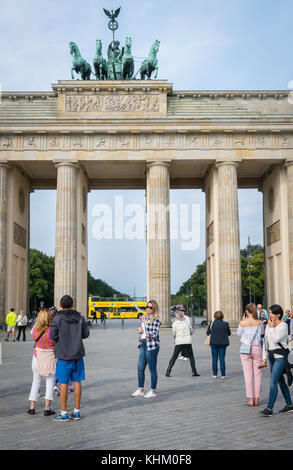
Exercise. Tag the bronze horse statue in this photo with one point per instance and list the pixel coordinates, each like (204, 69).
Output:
(79, 65)
(150, 64)
(100, 64)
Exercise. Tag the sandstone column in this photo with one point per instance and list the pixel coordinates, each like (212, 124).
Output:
(66, 232)
(289, 165)
(229, 243)
(158, 238)
(3, 236)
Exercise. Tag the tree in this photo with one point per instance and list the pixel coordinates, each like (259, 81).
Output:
(101, 288)
(41, 281)
(193, 292)
(254, 281)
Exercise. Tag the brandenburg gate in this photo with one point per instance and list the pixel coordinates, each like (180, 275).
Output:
(143, 134)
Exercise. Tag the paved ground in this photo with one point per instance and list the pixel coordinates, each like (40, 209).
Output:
(189, 412)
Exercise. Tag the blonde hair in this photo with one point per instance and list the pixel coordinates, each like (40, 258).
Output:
(43, 321)
(22, 313)
(155, 310)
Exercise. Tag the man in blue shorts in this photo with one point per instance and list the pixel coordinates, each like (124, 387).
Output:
(68, 329)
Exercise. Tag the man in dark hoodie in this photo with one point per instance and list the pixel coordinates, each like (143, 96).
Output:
(68, 329)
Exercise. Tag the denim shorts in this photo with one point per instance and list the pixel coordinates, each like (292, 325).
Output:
(67, 371)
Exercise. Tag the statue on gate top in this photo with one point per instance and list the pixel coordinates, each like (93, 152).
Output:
(120, 63)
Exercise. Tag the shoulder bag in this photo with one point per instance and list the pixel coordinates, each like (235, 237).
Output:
(208, 338)
(246, 348)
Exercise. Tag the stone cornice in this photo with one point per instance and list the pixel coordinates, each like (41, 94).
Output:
(136, 141)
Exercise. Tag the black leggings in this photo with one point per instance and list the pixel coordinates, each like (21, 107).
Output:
(21, 329)
(177, 349)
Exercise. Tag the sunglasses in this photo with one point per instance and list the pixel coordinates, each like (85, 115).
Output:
(150, 306)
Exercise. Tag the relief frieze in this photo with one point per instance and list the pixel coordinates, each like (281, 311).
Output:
(144, 141)
(112, 103)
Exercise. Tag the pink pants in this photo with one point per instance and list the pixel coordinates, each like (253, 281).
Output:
(252, 374)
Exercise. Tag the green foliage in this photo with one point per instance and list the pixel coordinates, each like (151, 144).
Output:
(100, 288)
(41, 282)
(256, 278)
(196, 284)
(193, 292)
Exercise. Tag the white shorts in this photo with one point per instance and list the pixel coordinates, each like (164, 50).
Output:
(10, 328)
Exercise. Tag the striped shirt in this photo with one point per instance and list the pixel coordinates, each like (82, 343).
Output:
(45, 342)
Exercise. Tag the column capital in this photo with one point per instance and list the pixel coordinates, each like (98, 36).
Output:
(72, 163)
(165, 163)
(288, 163)
(220, 163)
(5, 164)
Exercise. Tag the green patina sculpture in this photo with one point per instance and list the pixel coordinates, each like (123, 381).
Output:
(150, 64)
(100, 64)
(120, 64)
(79, 65)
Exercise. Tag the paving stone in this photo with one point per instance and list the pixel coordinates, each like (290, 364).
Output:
(189, 413)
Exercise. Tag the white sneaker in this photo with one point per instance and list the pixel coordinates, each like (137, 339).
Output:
(150, 394)
(180, 357)
(215, 376)
(225, 377)
(138, 393)
(185, 359)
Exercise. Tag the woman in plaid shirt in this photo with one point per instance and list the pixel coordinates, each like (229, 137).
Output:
(149, 345)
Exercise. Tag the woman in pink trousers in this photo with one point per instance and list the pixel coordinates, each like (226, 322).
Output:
(250, 330)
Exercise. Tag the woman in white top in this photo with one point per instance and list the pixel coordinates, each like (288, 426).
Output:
(22, 322)
(276, 336)
(182, 332)
(250, 330)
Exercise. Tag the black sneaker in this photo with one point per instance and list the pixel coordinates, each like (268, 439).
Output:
(287, 409)
(195, 374)
(31, 412)
(49, 412)
(266, 412)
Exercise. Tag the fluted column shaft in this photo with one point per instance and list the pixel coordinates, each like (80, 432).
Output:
(229, 243)
(66, 232)
(158, 238)
(3, 236)
(289, 166)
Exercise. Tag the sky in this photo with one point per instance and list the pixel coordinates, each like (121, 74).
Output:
(205, 45)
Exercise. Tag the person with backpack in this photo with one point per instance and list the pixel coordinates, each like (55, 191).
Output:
(68, 330)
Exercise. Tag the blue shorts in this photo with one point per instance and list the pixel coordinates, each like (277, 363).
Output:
(70, 370)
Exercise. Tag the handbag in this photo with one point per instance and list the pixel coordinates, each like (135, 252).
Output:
(208, 338)
(246, 348)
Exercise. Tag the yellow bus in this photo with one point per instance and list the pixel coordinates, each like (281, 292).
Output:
(116, 308)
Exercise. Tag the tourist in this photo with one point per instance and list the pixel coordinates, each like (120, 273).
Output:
(184, 354)
(149, 345)
(68, 330)
(219, 331)
(182, 332)
(11, 320)
(43, 362)
(250, 331)
(276, 351)
(21, 322)
(94, 315)
(259, 309)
